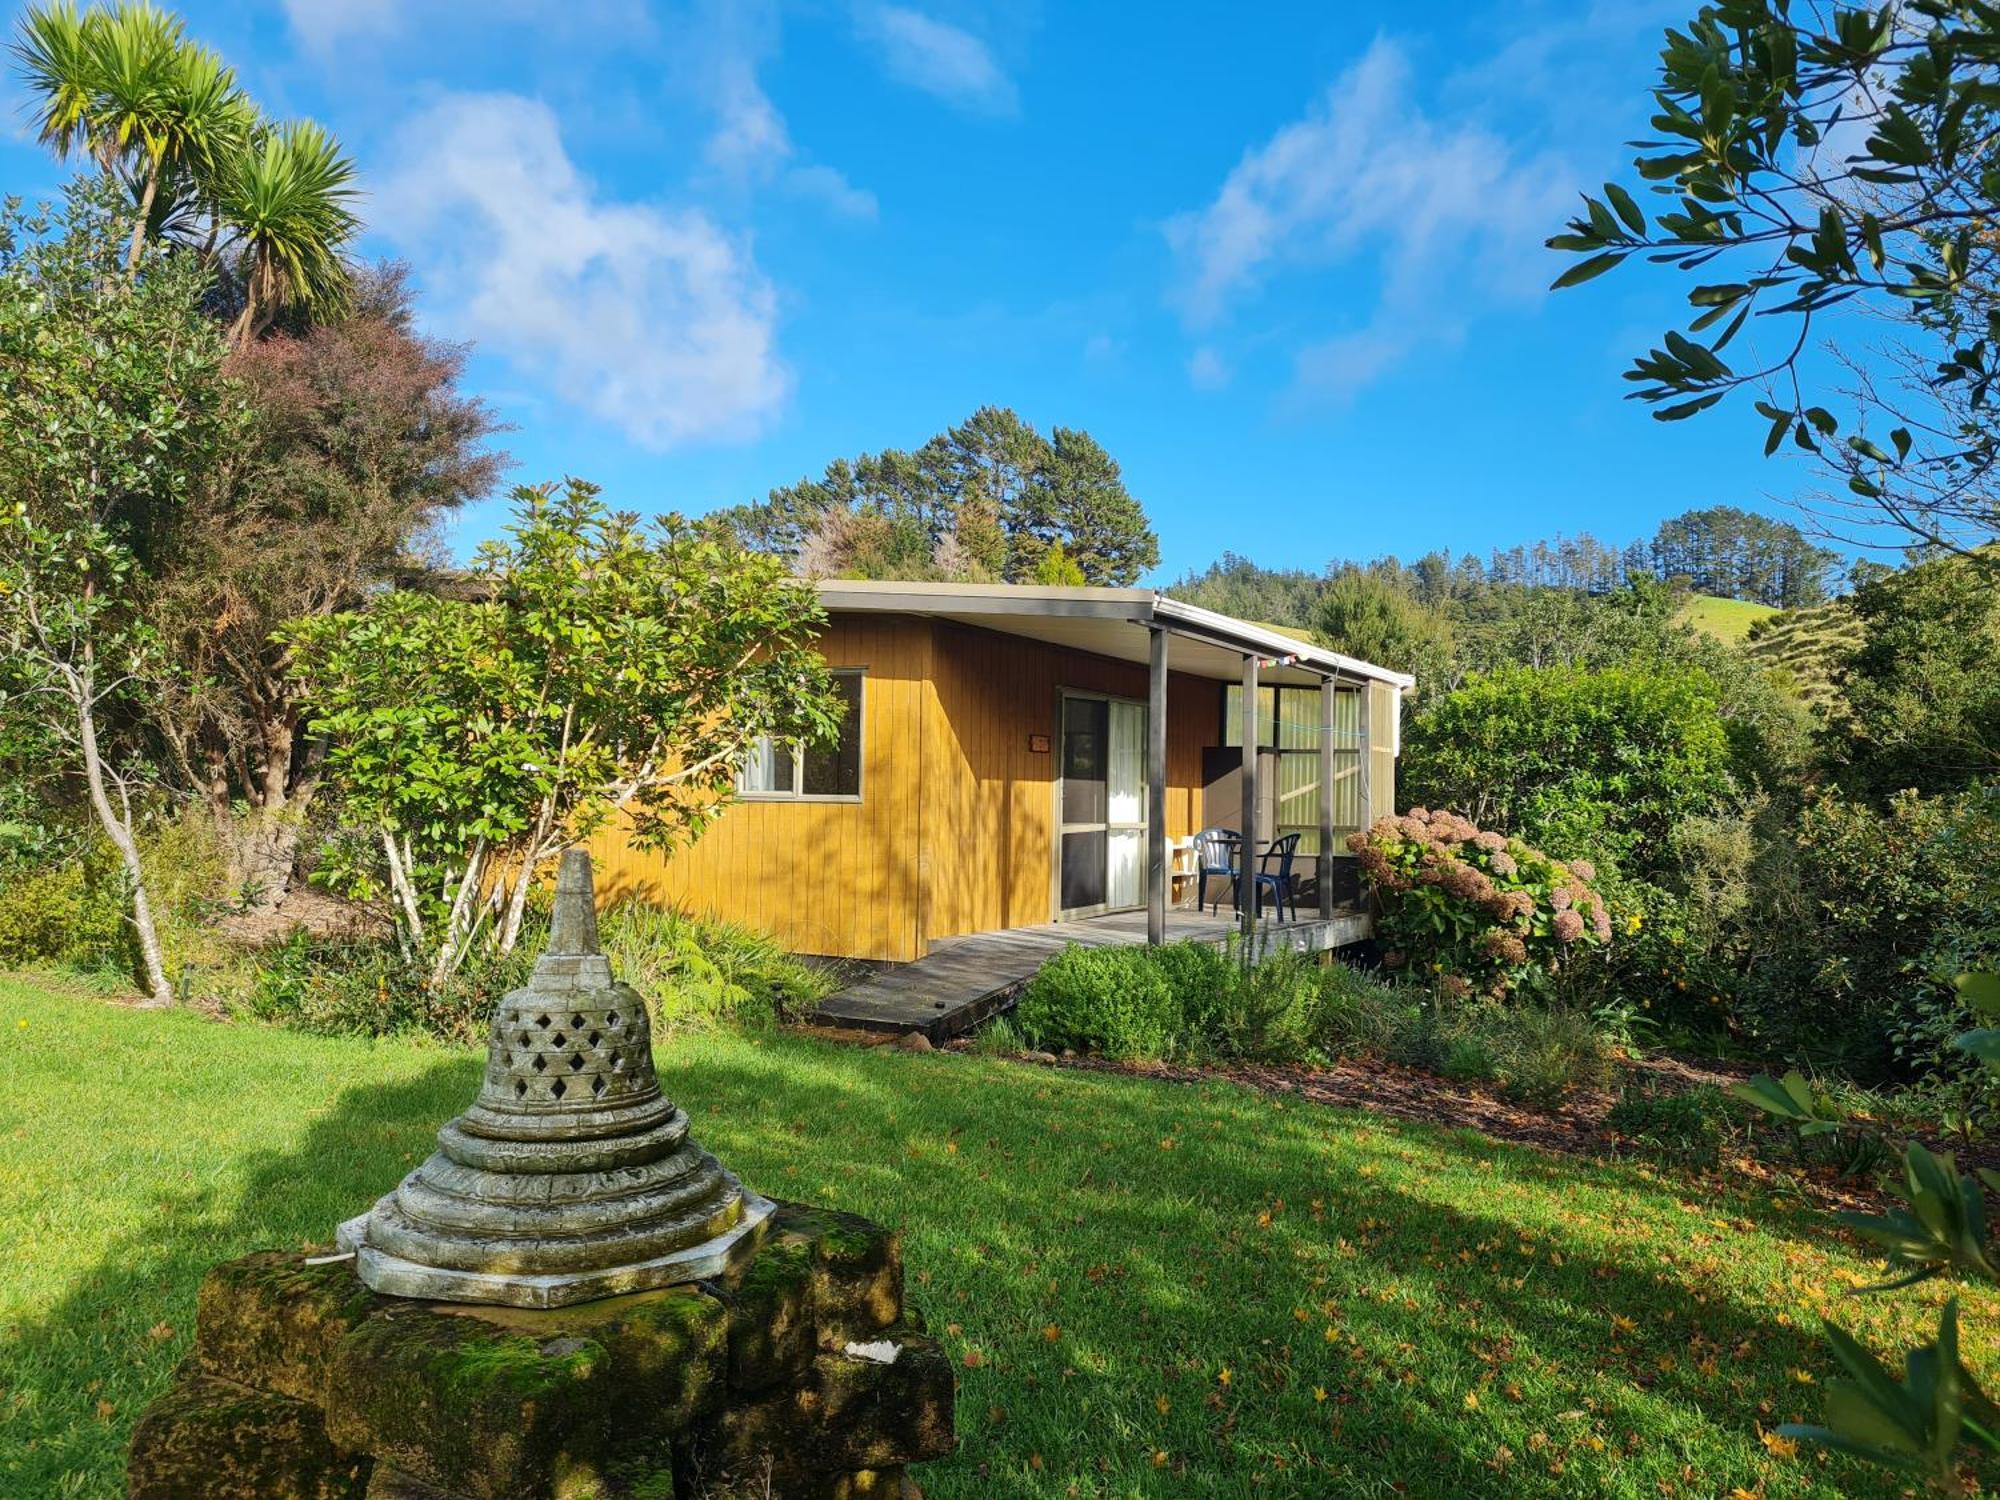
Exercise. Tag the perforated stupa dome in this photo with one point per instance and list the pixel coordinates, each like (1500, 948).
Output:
(571, 1176)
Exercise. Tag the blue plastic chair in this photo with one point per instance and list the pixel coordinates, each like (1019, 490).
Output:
(1283, 892)
(1215, 851)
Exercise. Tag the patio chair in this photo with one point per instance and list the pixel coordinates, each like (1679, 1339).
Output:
(1216, 851)
(1283, 892)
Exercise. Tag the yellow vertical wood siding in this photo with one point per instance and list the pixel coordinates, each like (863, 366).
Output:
(822, 877)
(955, 831)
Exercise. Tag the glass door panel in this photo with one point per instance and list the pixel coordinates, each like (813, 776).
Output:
(1103, 805)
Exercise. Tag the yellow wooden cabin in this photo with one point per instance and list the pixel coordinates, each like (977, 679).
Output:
(1016, 756)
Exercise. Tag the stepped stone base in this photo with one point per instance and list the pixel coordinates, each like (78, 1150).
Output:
(305, 1385)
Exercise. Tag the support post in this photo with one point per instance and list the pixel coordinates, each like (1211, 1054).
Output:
(1329, 696)
(1246, 888)
(1363, 792)
(1157, 877)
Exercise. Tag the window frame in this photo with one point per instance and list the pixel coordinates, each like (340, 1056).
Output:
(798, 792)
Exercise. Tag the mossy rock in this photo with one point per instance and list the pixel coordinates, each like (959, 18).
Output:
(852, 1414)
(772, 1329)
(209, 1439)
(857, 1272)
(506, 1404)
(271, 1321)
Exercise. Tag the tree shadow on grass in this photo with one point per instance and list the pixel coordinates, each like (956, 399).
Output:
(73, 1381)
(1100, 1249)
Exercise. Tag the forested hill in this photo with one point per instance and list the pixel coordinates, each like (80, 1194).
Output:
(1721, 551)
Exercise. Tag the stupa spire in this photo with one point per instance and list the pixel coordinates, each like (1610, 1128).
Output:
(571, 1176)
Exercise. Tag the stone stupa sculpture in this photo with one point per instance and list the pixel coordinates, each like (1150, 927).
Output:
(571, 1176)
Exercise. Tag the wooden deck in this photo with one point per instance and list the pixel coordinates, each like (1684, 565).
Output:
(964, 980)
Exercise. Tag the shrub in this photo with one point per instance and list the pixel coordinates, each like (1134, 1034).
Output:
(1360, 1017)
(1604, 763)
(1687, 1126)
(1205, 981)
(695, 972)
(1112, 1001)
(690, 972)
(1541, 1055)
(71, 914)
(1862, 918)
(1476, 910)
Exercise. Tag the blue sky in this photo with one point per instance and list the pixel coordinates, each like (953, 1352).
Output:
(1284, 261)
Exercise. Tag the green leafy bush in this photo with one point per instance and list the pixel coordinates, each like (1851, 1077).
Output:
(690, 972)
(1475, 910)
(70, 914)
(1863, 916)
(1205, 981)
(1115, 1002)
(1605, 763)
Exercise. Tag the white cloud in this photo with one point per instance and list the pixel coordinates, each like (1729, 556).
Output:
(322, 23)
(650, 318)
(1206, 371)
(829, 186)
(1451, 218)
(939, 58)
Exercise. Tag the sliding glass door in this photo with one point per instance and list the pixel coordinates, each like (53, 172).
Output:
(1101, 858)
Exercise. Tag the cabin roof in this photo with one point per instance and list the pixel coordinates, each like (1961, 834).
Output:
(1110, 622)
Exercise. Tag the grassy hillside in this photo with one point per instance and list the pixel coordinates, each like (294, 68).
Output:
(1149, 1288)
(1806, 647)
(1726, 619)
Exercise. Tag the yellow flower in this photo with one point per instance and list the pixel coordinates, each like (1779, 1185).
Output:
(1222, 1376)
(1319, 1393)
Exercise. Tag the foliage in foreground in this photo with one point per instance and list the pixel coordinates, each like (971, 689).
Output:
(1922, 1423)
(1135, 1279)
(692, 973)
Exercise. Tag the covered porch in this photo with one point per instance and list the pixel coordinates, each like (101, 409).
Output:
(964, 980)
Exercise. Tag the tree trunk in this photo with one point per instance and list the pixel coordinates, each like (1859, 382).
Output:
(464, 901)
(406, 896)
(118, 829)
(138, 245)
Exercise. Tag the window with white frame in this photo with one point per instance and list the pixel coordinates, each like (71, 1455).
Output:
(784, 768)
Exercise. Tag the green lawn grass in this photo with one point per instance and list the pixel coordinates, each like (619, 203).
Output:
(1152, 1289)
(1728, 620)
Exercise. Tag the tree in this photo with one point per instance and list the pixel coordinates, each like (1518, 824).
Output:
(1922, 697)
(1832, 157)
(1077, 500)
(1603, 764)
(982, 501)
(111, 403)
(1737, 554)
(1367, 617)
(268, 205)
(357, 442)
(610, 668)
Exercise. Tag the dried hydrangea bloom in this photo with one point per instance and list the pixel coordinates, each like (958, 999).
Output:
(1602, 924)
(1455, 985)
(1504, 863)
(1561, 898)
(1583, 869)
(1492, 843)
(1568, 926)
(1503, 946)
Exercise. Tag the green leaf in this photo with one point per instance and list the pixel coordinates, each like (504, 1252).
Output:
(1597, 265)
(1981, 991)
(1627, 209)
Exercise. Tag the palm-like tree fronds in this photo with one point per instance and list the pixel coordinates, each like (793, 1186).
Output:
(55, 61)
(287, 204)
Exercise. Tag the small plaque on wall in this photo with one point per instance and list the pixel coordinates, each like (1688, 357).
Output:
(1038, 744)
